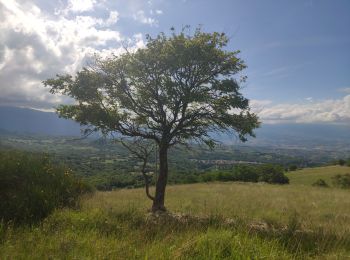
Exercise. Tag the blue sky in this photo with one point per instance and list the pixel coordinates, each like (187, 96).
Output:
(297, 52)
(294, 49)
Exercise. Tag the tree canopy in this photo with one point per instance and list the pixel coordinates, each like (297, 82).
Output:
(178, 88)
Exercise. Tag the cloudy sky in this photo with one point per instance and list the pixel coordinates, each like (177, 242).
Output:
(297, 52)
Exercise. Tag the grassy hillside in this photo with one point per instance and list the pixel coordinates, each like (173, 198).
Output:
(212, 221)
(308, 176)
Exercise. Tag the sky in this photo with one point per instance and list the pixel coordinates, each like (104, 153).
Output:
(297, 52)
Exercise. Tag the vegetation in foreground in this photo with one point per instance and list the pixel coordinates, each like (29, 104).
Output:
(31, 187)
(217, 221)
(207, 221)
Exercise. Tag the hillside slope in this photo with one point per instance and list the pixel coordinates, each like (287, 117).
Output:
(212, 221)
(308, 176)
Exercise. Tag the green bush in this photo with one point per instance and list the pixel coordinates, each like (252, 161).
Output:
(249, 173)
(31, 187)
(246, 173)
(320, 183)
(272, 174)
(342, 181)
(207, 177)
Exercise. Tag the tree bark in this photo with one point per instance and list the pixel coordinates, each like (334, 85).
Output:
(158, 202)
(147, 185)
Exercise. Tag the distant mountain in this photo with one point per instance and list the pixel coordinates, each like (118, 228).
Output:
(296, 136)
(29, 121)
(315, 136)
(319, 136)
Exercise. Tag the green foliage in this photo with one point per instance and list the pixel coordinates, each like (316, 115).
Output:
(342, 181)
(31, 187)
(272, 174)
(348, 163)
(106, 183)
(177, 88)
(268, 173)
(248, 173)
(320, 183)
(340, 162)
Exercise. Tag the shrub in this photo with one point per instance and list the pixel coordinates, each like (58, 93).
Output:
(208, 177)
(246, 173)
(293, 168)
(342, 180)
(272, 174)
(190, 178)
(225, 176)
(31, 187)
(348, 162)
(341, 162)
(320, 183)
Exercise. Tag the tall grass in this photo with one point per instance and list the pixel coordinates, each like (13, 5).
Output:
(308, 176)
(209, 221)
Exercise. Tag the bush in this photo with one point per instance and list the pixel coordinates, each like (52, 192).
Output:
(293, 168)
(190, 178)
(31, 187)
(207, 177)
(341, 162)
(225, 176)
(320, 183)
(246, 173)
(342, 181)
(272, 174)
(348, 163)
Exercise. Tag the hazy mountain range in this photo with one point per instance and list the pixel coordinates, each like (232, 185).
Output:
(29, 121)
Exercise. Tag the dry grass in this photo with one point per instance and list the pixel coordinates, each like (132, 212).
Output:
(314, 207)
(308, 176)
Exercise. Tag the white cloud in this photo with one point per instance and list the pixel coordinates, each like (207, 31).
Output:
(324, 111)
(6, 56)
(259, 105)
(141, 17)
(113, 18)
(310, 99)
(345, 90)
(78, 6)
(36, 45)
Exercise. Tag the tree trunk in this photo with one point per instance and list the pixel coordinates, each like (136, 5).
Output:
(158, 202)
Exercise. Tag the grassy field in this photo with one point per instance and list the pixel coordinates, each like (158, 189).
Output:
(308, 176)
(208, 221)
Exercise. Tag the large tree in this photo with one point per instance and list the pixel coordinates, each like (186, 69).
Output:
(179, 88)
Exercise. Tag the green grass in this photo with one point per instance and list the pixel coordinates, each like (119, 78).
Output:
(212, 221)
(308, 176)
